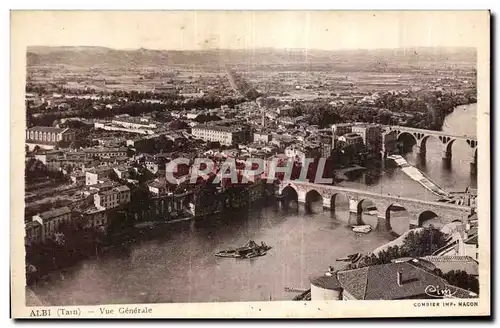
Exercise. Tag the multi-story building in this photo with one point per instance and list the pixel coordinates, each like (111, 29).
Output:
(122, 172)
(77, 177)
(52, 220)
(134, 123)
(326, 145)
(47, 137)
(114, 127)
(93, 176)
(351, 139)
(33, 233)
(95, 217)
(124, 194)
(158, 187)
(341, 129)
(104, 152)
(262, 137)
(371, 134)
(112, 198)
(222, 134)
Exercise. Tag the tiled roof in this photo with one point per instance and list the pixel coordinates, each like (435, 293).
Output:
(49, 129)
(55, 213)
(449, 258)
(122, 188)
(379, 282)
(326, 282)
(354, 281)
(450, 263)
(32, 224)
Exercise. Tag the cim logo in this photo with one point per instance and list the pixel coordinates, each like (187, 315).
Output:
(439, 292)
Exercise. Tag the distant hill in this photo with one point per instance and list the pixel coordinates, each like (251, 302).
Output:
(98, 56)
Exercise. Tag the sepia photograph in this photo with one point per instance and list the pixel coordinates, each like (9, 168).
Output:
(264, 159)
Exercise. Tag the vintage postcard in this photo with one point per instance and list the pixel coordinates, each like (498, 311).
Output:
(250, 164)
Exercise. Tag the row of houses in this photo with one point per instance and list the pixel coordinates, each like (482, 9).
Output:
(90, 210)
(46, 225)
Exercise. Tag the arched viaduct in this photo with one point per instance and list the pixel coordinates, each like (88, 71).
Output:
(417, 209)
(392, 133)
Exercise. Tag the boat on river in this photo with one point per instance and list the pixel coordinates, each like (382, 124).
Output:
(366, 228)
(250, 250)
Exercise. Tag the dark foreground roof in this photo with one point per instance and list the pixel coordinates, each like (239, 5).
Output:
(380, 282)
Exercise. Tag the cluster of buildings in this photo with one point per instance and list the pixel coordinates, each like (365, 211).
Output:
(126, 123)
(87, 208)
(148, 144)
(359, 134)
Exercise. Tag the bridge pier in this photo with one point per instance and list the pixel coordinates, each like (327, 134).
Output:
(421, 150)
(473, 163)
(446, 156)
(473, 168)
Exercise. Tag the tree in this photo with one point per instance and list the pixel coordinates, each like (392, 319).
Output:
(177, 125)
(460, 279)
(424, 242)
(130, 152)
(63, 144)
(416, 244)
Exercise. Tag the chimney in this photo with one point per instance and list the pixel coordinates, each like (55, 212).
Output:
(400, 278)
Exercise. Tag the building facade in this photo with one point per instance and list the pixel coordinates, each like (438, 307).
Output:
(112, 198)
(47, 136)
(222, 134)
(50, 221)
(33, 233)
(93, 176)
(371, 134)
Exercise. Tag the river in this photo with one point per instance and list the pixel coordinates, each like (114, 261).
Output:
(177, 264)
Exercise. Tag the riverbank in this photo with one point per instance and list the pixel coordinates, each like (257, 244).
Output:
(177, 261)
(66, 255)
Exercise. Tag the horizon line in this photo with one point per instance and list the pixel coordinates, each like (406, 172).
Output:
(253, 49)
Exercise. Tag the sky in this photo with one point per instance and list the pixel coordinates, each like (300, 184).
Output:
(188, 30)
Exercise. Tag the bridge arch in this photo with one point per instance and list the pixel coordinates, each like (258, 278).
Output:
(339, 202)
(289, 194)
(450, 144)
(407, 140)
(423, 143)
(369, 207)
(313, 200)
(397, 219)
(426, 216)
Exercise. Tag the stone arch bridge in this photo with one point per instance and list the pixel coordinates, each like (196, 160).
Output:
(416, 208)
(392, 133)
